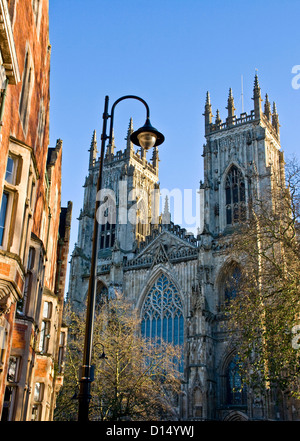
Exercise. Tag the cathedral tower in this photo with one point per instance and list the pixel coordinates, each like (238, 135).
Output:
(128, 213)
(240, 155)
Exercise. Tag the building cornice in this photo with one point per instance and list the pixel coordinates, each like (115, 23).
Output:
(28, 147)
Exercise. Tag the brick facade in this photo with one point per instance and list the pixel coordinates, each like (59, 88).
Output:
(32, 251)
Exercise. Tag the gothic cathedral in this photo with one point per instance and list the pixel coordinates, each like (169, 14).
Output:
(144, 260)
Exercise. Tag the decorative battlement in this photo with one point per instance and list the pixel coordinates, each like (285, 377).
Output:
(178, 255)
(147, 261)
(123, 155)
(269, 118)
(112, 157)
(244, 118)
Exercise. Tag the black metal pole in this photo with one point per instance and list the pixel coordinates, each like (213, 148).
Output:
(84, 395)
(86, 373)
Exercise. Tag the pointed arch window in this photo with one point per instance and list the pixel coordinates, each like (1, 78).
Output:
(162, 314)
(232, 282)
(235, 196)
(107, 219)
(236, 393)
(101, 296)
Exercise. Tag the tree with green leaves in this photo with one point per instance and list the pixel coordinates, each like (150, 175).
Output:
(134, 378)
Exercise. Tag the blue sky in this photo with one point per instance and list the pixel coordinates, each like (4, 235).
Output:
(169, 52)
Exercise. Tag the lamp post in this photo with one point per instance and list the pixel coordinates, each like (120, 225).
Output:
(145, 137)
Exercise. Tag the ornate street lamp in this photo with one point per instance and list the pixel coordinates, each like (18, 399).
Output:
(145, 137)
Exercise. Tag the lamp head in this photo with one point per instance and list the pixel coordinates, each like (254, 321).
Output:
(103, 356)
(147, 136)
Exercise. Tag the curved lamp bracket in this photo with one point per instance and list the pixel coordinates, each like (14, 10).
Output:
(113, 111)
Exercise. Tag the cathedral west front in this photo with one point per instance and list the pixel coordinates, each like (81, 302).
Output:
(177, 280)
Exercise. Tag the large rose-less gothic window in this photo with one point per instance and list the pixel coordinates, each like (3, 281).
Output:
(162, 313)
(235, 196)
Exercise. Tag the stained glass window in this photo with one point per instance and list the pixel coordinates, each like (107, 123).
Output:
(162, 314)
(236, 393)
(232, 283)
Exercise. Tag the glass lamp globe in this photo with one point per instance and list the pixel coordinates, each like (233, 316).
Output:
(147, 136)
(147, 140)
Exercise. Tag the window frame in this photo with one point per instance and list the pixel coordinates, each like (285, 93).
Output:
(45, 331)
(107, 235)
(40, 397)
(36, 412)
(44, 337)
(231, 284)
(234, 398)
(37, 9)
(61, 351)
(9, 404)
(17, 369)
(12, 174)
(235, 196)
(23, 304)
(3, 214)
(10, 189)
(41, 123)
(26, 90)
(9, 219)
(3, 345)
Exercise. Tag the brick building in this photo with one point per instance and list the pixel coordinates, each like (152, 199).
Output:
(34, 230)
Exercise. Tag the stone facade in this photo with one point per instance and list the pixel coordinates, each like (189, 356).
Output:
(177, 281)
(33, 251)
